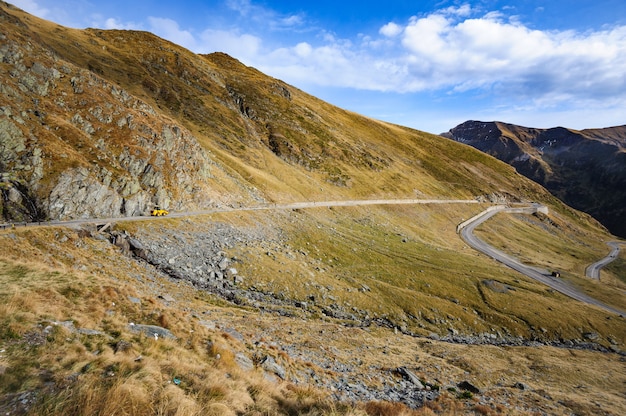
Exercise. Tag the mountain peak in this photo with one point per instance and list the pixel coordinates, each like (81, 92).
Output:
(586, 168)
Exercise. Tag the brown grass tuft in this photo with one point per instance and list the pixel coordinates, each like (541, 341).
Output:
(163, 321)
(482, 409)
(388, 409)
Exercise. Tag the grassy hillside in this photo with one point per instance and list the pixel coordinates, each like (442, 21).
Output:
(273, 136)
(350, 295)
(326, 304)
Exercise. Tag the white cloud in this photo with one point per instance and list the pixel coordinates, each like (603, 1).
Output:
(390, 30)
(244, 47)
(333, 64)
(31, 7)
(427, 37)
(290, 21)
(461, 11)
(486, 52)
(303, 49)
(264, 17)
(281, 23)
(457, 51)
(170, 30)
(244, 7)
(113, 23)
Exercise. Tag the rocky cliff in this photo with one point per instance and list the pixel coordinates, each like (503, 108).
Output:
(75, 144)
(586, 169)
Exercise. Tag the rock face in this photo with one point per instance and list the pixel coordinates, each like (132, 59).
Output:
(75, 143)
(586, 169)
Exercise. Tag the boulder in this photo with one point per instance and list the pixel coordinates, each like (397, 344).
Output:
(521, 386)
(270, 365)
(223, 264)
(152, 331)
(244, 362)
(467, 386)
(410, 376)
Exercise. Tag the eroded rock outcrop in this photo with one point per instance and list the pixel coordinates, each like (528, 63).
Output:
(74, 145)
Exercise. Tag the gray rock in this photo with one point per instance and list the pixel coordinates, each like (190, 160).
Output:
(171, 170)
(244, 362)
(410, 376)
(167, 298)
(12, 141)
(87, 331)
(121, 241)
(152, 331)
(223, 264)
(269, 364)
(521, 386)
(591, 336)
(123, 346)
(234, 333)
(467, 386)
(208, 324)
(136, 244)
(69, 325)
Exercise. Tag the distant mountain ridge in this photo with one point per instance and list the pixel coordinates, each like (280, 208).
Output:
(584, 168)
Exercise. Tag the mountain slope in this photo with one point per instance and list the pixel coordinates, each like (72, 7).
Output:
(586, 169)
(131, 120)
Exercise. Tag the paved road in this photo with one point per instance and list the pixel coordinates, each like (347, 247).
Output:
(293, 205)
(593, 271)
(467, 234)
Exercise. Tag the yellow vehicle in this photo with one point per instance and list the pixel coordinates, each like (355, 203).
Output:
(158, 212)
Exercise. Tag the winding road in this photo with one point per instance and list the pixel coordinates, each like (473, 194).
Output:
(467, 234)
(465, 230)
(593, 271)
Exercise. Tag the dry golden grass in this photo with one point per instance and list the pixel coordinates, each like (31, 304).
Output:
(90, 376)
(414, 279)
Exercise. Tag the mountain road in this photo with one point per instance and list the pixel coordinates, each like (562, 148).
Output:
(593, 271)
(556, 283)
(286, 206)
(464, 229)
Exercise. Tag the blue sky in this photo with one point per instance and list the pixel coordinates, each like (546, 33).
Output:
(425, 64)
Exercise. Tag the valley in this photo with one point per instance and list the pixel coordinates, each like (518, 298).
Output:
(305, 301)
